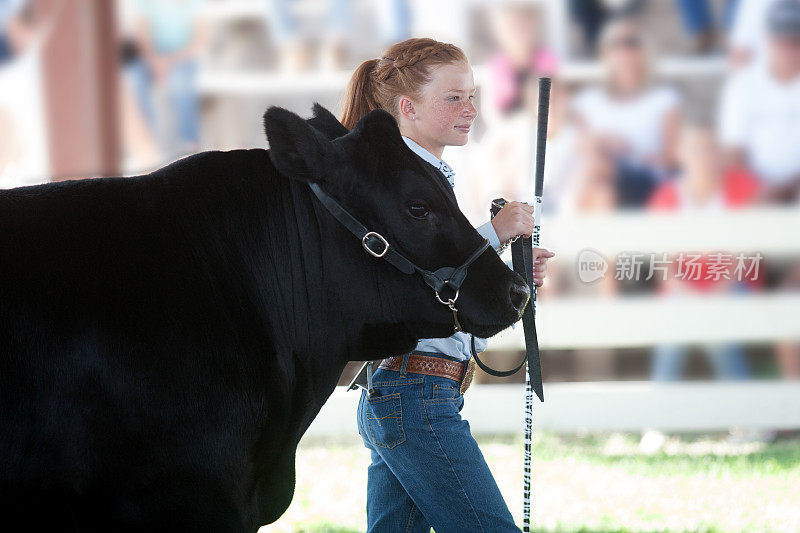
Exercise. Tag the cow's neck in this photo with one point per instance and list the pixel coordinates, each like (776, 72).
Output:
(359, 290)
(330, 315)
(337, 300)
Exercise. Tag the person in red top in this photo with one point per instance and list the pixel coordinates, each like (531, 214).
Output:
(520, 57)
(704, 187)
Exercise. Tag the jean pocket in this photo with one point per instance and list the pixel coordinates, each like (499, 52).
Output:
(445, 391)
(385, 420)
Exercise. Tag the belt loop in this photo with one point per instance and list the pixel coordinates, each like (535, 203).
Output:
(403, 365)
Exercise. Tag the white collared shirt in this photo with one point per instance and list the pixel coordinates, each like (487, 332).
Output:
(457, 345)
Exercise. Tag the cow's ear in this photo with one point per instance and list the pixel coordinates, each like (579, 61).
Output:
(329, 125)
(379, 128)
(296, 148)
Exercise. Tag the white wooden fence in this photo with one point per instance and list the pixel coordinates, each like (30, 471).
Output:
(641, 321)
(606, 406)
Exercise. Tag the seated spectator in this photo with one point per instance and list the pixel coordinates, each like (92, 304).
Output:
(759, 116)
(292, 33)
(594, 189)
(702, 187)
(703, 182)
(634, 120)
(747, 41)
(293, 30)
(520, 57)
(592, 15)
(760, 125)
(15, 32)
(170, 38)
(505, 154)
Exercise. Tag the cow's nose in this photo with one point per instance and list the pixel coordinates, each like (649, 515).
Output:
(519, 294)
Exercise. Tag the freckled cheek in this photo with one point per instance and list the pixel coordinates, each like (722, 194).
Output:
(445, 115)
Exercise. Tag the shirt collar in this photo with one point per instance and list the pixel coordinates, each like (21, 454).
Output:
(426, 155)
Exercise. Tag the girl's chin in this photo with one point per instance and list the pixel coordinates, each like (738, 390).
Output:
(459, 139)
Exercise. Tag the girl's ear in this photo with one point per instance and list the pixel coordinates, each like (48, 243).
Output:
(297, 149)
(406, 108)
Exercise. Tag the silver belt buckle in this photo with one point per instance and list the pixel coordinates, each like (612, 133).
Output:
(469, 373)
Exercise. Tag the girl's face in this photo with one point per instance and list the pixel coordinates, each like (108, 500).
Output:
(443, 114)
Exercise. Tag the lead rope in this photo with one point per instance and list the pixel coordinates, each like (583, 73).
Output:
(522, 262)
(528, 244)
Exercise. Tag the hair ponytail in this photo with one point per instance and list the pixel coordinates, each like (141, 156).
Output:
(403, 70)
(359, 98)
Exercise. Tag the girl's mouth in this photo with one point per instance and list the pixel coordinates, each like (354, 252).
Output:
(464, 129)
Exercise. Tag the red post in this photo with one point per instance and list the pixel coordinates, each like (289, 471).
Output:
(80, 76)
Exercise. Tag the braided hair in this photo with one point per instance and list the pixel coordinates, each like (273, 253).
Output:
(403, 70)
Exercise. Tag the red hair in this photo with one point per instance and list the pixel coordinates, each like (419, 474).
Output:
(403, 70)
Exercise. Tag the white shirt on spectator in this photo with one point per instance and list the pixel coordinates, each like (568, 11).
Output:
(639, 120)
(749, 29)
(761, 116)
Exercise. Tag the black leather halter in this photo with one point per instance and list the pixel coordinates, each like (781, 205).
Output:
(445, 278)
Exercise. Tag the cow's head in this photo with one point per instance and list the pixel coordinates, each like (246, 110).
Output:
(380, 181)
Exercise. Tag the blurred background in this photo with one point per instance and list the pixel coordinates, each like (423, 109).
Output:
(670, 319)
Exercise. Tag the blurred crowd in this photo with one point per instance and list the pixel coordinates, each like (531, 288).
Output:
(163, 43)
(632, 141)
(627, 139)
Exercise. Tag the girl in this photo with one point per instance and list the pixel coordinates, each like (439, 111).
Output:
(427, 470)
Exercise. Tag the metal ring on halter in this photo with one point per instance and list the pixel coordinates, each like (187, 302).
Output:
(449, 302)
(380, 238)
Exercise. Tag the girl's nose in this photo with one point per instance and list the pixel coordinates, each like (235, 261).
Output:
(470, 110)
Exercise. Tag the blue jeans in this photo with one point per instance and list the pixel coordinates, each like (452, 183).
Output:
(728, 361)
(5, 50)
(285, 26)
(181, 93)
(393, 27)
(427, 470)
(696, 14)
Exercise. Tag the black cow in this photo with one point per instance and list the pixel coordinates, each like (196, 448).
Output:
(165, 340)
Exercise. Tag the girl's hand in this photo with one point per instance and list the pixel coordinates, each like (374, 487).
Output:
(540, 257)
(515, 218)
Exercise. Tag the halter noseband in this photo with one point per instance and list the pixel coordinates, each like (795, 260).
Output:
(377, 246)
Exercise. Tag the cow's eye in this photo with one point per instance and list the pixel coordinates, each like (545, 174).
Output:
(418, 210)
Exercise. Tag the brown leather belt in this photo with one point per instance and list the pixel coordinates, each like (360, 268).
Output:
(434, 366)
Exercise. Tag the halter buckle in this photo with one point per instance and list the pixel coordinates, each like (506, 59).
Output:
(369, 250)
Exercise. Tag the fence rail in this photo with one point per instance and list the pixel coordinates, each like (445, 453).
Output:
(640, 321)
(606, 406)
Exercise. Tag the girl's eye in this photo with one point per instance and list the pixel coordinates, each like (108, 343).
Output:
(418, 210)
(454, 98)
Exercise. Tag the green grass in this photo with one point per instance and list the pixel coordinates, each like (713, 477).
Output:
(588, 484)
(742, 461)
